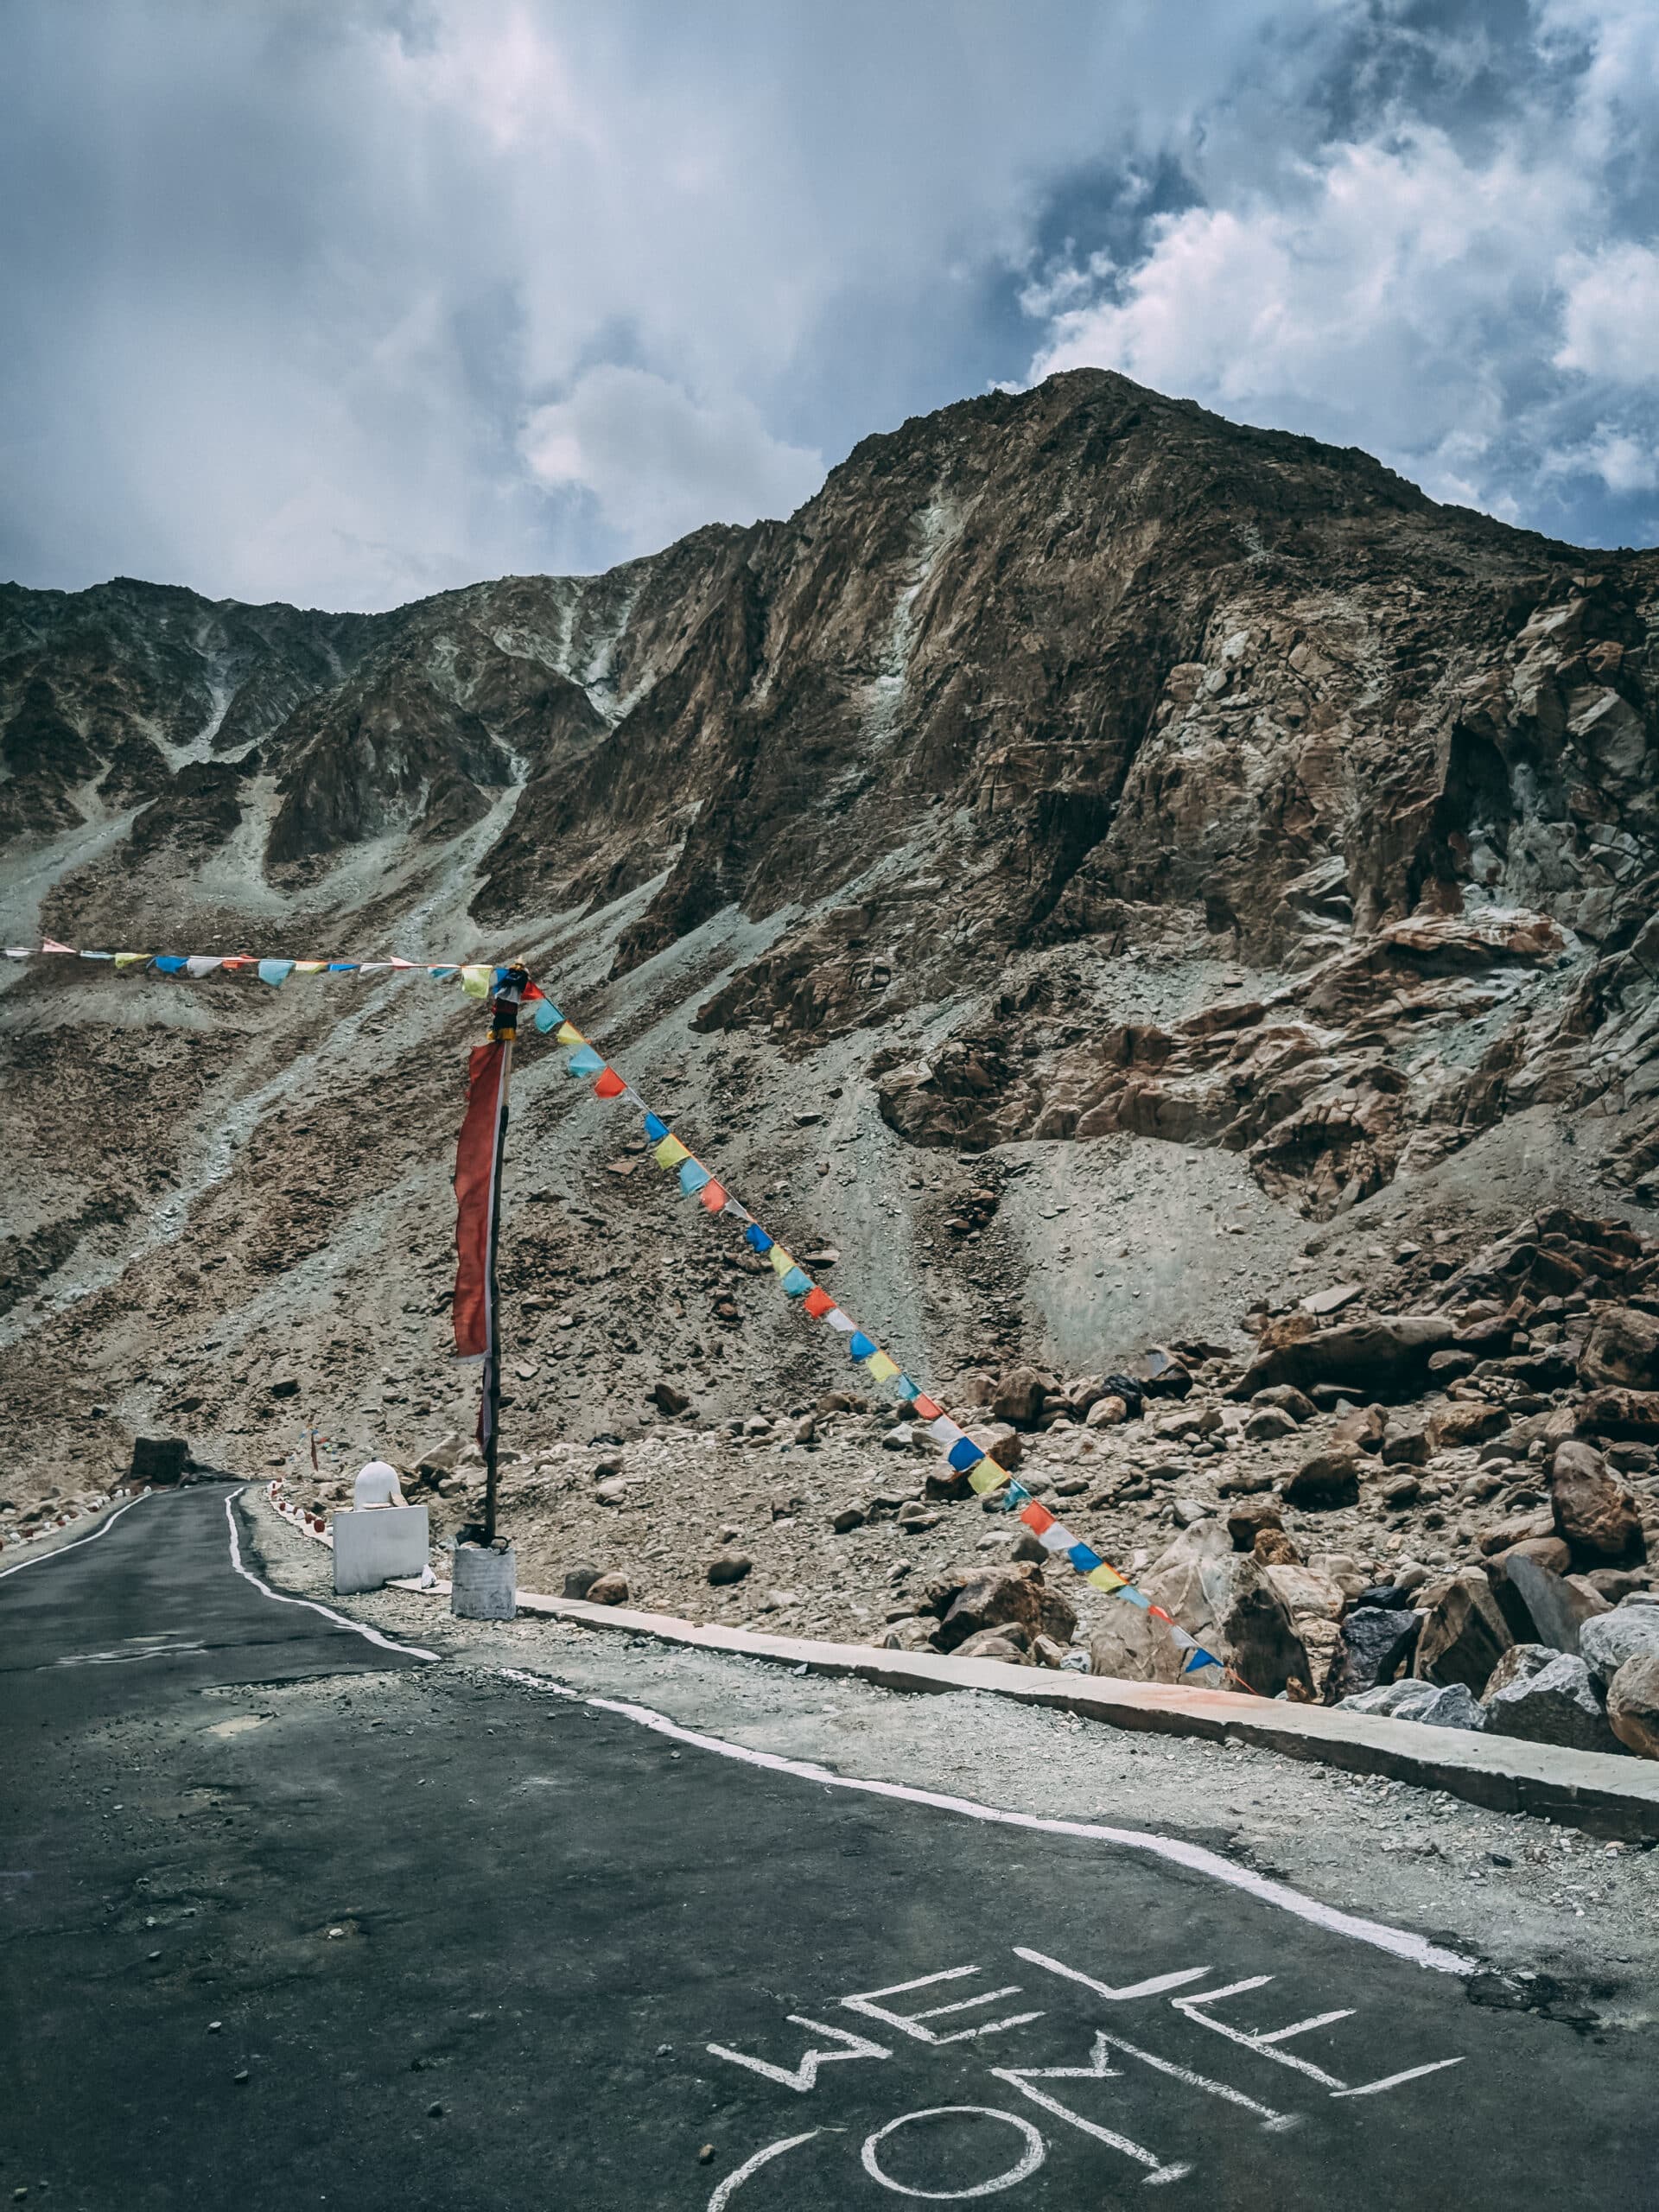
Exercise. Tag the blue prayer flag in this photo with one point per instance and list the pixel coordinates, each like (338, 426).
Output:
(655, 1129)
(693, 1177)
(584, 1061)
(757, 1239)
(275, 972)
(861, 1346)
(547, 1016)
(1083, 1559)
(170, 963)
(797, 1282)
(964, 1453)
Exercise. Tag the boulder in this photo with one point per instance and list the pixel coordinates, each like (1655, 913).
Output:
(1326, 1481)
(1106, 1411)
(1595, 1513)
(1627, 1632)
(667, 1399)
(729, 1567)
(440, 1458)
(609, 1590)
(1556, 1705)
(1377, 1642)
(1632, 1415)
(994, 1597)
(1541, 1605)
(1010, 1645)
(1314, 1604)
(1271, 1546)
(1405, 1441)
(1167, 1376)
(1362, 1430)
(1633, 1704)
(1245, 1521)
(1519, 1663)
(1388, 1355)
(1615, 1584)
(1006, 1446)
(1019, 1397)
(159, 1458)
(1454, 1707)
(1267, 1423)
(1221, 1597)
(1464, 1634)
(580, 1581)
(913, 1633)
(1466, 1424)
(1622, 1350)
(1286, 1398)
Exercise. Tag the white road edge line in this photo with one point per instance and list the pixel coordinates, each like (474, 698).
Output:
(281, 1598)
(1398, 1941)
(41, 1558)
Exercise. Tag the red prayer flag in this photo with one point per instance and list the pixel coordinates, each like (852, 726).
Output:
(1037, 1517)
(929, 1408)
(476, 1155)
(712, 1196)
(609, 1085)
(818, 1301)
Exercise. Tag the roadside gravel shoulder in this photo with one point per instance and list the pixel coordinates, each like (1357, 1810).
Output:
(1525, 1894)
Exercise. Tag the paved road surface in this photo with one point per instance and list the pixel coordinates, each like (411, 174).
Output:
(470, 1942)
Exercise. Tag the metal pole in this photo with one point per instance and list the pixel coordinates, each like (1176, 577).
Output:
(492, 1359)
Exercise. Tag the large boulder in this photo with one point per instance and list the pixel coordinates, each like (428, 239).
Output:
(1019, 1397)
(159, 1458)
(1519, 1664)
(1622, 1350)
(1633, 1704)
(1377, 1641)
(1541, 1605)
(1314, 1604)
(1221, 1597)
(1555, 1704)
(1464, 1634)
(1629, 1415)
(1611, 1639)
(1387, 1357)
(992, 1597)
(1466, 1424)
(1454, 1707)
(1009, 1644)
(1322, 1484)
(1595, 1513)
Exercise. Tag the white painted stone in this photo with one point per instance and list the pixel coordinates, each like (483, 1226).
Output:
(486, 1585)
(373, 1546)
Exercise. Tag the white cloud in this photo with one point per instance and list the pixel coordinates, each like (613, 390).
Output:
(658, 463)
(1459, 313)
(1610, 316)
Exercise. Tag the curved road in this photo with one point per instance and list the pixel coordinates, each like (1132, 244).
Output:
(295, 1917)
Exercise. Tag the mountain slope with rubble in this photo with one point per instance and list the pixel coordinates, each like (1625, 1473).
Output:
(1102, 872)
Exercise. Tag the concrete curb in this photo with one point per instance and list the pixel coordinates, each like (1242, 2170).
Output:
(1602, 1796)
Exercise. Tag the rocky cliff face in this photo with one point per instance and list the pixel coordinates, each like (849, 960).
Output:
(1115, 826)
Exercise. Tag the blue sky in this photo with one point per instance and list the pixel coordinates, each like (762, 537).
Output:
(344, 303)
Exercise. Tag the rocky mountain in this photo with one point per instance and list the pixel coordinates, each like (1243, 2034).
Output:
(1096, 868)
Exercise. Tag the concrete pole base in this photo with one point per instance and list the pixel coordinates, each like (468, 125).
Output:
(484, 1582)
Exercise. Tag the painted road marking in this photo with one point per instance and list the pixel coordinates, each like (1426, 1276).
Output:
(41, 1558)
(736, 2179)
(1027, 2163)
(281, 1597)
(805, 2075)
(1398, 1942)
(910, 2023)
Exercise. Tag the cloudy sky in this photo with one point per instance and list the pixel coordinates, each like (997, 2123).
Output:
(344, 301)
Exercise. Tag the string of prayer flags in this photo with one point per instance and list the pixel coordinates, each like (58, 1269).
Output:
(478, 978)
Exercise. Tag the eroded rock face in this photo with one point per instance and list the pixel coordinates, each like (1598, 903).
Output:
(1633, 1704)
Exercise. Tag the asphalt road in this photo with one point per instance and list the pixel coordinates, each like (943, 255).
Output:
(292, 1919)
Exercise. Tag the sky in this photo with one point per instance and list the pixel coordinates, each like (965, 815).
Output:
(342, 302)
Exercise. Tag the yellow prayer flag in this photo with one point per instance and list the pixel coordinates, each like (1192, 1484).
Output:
(569, 1034)
(475, 981)
(1105, 1577)
(986, 1477)
(131, 959)
(882, 1367)
(311, 967)
(781, 1262)
(671, 1152)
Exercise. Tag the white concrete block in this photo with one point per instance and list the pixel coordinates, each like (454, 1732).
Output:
(373, 1546)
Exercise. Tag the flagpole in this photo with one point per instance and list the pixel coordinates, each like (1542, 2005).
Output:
(503, 1030)
(491, 1423)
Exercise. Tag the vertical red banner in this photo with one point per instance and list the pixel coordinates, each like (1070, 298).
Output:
(477, 1159)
